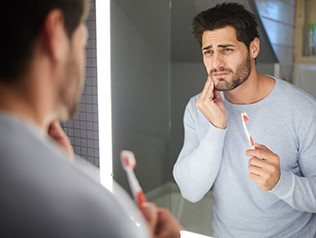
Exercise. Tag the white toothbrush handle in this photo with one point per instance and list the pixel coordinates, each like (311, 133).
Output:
(133, 182)
(250, 140)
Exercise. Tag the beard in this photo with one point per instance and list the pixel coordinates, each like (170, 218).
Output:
(70, 91)
(241, 75)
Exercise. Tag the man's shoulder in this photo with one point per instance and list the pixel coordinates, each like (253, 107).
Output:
(193, 99)
(190, 108)
(295, 102)
(47, 191)
(294, 94)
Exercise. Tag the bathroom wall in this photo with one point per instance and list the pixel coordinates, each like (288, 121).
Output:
(140, 45)
(278, 18)
(83, 130)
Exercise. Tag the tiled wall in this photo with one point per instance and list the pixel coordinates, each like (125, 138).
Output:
(278, 17)
(83, 130)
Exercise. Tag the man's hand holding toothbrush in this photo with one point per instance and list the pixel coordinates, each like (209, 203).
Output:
(264, 167)
(161, 221)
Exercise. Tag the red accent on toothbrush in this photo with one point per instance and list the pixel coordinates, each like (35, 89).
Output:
(245, 117)
(252, 142)
(125, 161)
(128, 163)
(140, 199)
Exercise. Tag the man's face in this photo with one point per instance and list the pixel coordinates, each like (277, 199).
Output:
(74, 74)
(226, 59)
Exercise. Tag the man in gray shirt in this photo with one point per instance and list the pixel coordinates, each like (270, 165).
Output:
(266, 191)
(44, 193)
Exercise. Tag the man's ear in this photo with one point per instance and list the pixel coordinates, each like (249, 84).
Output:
(55, 36)
(254, 48)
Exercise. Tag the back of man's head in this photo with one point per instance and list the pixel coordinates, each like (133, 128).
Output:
(21, 22)
(226, 14)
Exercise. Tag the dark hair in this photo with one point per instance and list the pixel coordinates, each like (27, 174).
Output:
(20, 24)
(226, 14)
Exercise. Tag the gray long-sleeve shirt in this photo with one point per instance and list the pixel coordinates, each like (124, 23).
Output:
(285, 122)
(45, 195)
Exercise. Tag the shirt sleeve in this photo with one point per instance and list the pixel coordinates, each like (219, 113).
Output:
(199, 160)
(300, 191)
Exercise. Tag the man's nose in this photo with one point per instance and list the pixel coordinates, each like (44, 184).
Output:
(217, 62)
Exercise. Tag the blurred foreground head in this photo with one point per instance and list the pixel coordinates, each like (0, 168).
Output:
(43, 51)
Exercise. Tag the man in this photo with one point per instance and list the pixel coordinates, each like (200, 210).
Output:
(268, 191)
(43, 191)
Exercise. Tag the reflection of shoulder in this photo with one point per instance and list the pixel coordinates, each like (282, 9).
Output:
(296, 97)
(190, 108)
(192, 101)
(294, 93)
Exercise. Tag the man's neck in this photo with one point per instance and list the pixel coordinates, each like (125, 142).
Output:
(254, 89)
(23, 105)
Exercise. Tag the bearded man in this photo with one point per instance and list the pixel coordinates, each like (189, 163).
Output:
(268, 190)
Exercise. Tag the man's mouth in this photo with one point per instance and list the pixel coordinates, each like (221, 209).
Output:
(220, 74)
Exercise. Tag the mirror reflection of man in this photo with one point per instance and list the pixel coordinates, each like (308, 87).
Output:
(44, 192)
(268, 191)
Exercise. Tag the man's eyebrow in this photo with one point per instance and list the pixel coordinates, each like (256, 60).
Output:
(225, 46)
(219, 46)
(207, 47)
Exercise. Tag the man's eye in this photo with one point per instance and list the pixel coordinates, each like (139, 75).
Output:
(227, 50)
(207, 52)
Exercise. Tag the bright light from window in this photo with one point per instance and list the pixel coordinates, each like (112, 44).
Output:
(104, 91)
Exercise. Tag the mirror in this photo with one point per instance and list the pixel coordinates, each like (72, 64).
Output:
(140, 45)
(156, 68)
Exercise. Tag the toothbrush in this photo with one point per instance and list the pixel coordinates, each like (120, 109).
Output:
(129, 162)
(244, 118)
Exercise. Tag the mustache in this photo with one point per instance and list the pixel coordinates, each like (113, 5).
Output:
(220, 69)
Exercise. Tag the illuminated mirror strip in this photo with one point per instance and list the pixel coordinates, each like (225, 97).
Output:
(104, 91)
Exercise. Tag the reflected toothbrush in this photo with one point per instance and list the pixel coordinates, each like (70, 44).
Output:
(245, 118)
(129, 162)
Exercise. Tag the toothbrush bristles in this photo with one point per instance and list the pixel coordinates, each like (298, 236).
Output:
(128, 159)
(245, 116)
